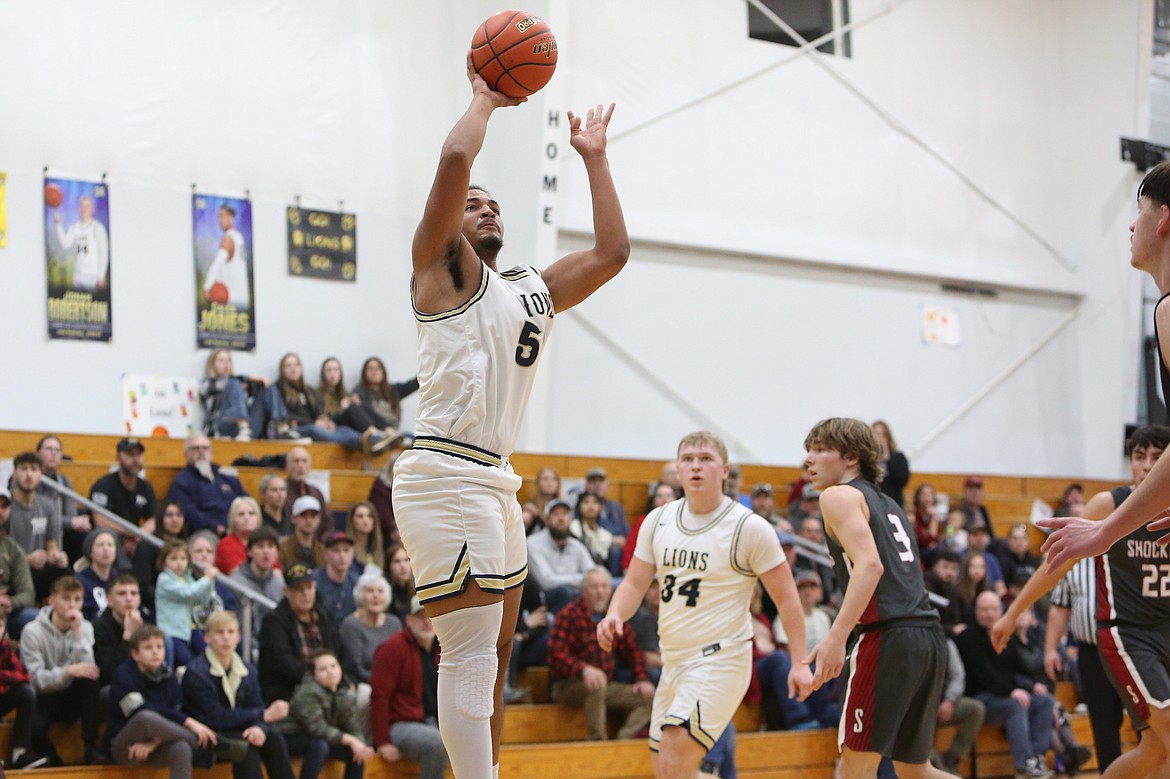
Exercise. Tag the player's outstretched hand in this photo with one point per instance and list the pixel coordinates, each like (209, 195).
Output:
(1161, 522)
(829, 658)
(800, 682)
(589, 138)
(607, 630)
(1073, 538)
(1001, 632)
(480, 87)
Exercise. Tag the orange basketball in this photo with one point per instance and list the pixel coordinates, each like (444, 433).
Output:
(514, 52)
(218, 293)
(53, 195)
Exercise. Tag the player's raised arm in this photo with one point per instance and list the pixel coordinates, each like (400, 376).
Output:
(625, 601)
(578, 275)
(438, 240)
(844, 511)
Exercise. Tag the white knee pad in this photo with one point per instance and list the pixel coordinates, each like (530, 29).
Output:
(467, 664)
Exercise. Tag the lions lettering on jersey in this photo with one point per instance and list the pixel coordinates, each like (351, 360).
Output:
(683, 558)
(537, 303)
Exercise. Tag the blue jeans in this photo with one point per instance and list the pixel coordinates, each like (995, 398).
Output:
(1028, 731)
(315, 751)
(721, 757)
(267, 406)
(346, 436)
(18, 619)
(820, 706)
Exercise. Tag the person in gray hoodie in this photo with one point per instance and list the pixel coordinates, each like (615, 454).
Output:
(260, 573)
(57, 650)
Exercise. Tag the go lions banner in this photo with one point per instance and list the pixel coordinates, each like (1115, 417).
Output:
(77, 259)
(322, 244)
(225, 310)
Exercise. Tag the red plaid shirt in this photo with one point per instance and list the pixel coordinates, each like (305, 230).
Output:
(572, 645)
(12, 671)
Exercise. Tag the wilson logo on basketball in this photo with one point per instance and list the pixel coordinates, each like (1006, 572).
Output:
(526, 22)
(547, 48)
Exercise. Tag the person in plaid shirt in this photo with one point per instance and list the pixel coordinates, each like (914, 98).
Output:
(582, 672)
(16, 692)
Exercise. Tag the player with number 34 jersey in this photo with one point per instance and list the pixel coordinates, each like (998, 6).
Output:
(707, 552)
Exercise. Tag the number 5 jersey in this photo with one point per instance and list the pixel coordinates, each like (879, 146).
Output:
(477, 363)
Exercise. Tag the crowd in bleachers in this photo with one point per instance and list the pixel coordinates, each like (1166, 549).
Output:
(108, 624)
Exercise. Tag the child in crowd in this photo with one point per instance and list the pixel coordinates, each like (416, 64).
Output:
(16, 692)
(57, 650)
(101, 549)
(147, 723)
(220, 688)
(323, 721)
(177, 595)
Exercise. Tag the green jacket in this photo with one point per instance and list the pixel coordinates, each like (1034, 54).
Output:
(14, 573)
(319, 713)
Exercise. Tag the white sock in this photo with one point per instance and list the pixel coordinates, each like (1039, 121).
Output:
(467, 678)
(496, 771)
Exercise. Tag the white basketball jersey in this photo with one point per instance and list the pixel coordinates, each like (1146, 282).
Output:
(477, 362)
(90, 245)
(707, 566)
(232, 272)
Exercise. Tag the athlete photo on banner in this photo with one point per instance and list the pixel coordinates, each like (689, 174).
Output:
(77, 259)
(224, 303)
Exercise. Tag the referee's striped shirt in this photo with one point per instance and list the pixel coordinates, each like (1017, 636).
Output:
(1077, 591)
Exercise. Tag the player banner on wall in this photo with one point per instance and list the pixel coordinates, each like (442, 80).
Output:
(77, 259)
(322, 244)
(157, 405)
(225, 312)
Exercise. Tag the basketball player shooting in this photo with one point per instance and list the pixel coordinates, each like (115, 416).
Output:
(480, 333)
(707, 550)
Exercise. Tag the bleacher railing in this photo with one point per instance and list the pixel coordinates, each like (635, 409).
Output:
(248, 595)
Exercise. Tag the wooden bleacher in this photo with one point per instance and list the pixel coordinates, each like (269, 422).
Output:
(1008, 498)
(543, 739)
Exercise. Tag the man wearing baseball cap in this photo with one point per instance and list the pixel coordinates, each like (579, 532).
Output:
(302, 546)
(296, 628)
(337, 578)
(613, 515)
(975, 513)
(124, 494)
(764, 502)
(556, 560)
(403, 713)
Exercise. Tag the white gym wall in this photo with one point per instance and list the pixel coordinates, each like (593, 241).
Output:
(790, 213)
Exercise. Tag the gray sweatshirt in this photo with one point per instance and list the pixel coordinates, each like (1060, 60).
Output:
(46, 650)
